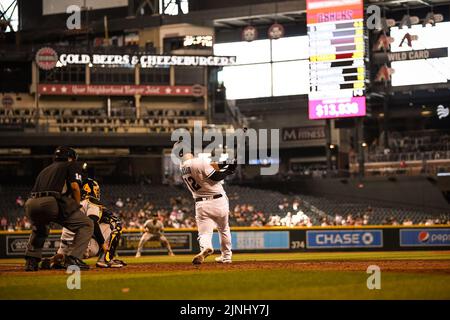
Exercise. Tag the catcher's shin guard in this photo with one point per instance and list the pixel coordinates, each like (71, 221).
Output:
(113, 241)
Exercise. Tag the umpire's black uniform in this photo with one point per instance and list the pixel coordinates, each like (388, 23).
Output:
(52, 201)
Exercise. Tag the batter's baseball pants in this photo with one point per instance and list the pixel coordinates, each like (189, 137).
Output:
(210, 214)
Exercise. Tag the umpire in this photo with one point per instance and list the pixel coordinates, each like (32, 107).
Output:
(56, 198)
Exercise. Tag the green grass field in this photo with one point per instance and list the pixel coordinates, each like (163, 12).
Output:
(425, 275)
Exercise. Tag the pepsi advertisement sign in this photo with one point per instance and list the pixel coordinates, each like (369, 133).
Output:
(424, 237)
(344, 239)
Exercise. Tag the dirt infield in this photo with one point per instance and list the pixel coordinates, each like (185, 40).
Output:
(420, 266)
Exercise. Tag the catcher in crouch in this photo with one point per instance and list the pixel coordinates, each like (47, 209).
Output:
(107, 231)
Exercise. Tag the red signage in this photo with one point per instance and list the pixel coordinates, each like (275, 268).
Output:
(119, 90)
(319, 11)
(46, 58)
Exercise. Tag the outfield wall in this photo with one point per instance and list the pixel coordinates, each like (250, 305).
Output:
(273, 239)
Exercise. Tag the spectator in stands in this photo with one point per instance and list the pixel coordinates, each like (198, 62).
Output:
(20, 202)
(286, 220)
(274, 221)
(119, 203)
(407, 222)
(4, 223)
(301, 219)
(324, 222)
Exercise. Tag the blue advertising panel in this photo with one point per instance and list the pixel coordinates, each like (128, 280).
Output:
(316, 239)
(255, 240)
(424, 237)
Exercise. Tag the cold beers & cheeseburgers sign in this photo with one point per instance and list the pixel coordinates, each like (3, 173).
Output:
(47, 58)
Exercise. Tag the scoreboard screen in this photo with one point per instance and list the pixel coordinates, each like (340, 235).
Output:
(337, 50)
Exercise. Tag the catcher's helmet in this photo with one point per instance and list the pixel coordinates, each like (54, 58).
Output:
(64, 153)
(91, 189)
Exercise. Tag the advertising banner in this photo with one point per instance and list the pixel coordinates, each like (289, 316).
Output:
(256, 240)
(180, 242)
(47, 58)
(17, 244)
(344, 239)
(119, 90)
(302, 133)
(424, 237)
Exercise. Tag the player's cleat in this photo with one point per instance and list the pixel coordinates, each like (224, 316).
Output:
(55, 262)
(58, 261)
(74, 261)
(46, 264)
(32, 264)
(115, 264)
(198, 259)
(111, 264)
(222, 260)
(121, 262)
(138, 255)
(102, 264)
(171, 254)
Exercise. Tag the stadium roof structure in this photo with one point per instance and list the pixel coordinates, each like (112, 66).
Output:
(402, 4)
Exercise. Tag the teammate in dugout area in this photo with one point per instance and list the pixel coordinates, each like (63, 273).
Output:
(106, 236)
(55, 197)
(154, 230)
(204, 179)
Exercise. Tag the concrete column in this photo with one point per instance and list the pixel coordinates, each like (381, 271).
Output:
(137, 103)
(172, 75)
(137, 74)
(137, 97)
(87, 71)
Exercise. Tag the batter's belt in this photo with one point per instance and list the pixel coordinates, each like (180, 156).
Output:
(216, 196)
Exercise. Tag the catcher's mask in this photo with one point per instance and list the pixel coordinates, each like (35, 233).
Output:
(91, 188)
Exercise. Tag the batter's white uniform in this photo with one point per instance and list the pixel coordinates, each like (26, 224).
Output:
(210, 212)
(93, 248)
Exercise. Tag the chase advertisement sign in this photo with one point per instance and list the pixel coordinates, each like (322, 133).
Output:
(424, 237)
(344, 239)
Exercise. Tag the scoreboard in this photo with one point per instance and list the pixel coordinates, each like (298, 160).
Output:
(337, 51)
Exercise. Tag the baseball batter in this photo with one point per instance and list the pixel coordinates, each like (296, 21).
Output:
(154, 230)
(211, 204)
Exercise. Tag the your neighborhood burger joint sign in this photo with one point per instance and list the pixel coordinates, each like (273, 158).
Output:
(47, 58)
(120, 90)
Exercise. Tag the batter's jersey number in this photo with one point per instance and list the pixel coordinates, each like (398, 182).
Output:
(192, 184)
